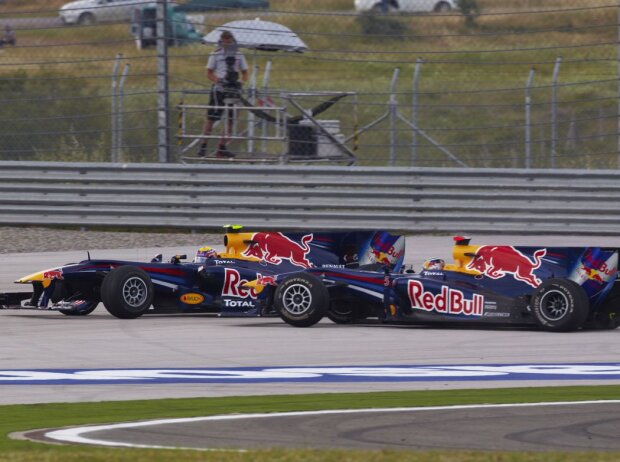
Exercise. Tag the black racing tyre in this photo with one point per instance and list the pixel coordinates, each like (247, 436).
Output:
(81, 312)
(560, 305)
(301, 300)
(127, 292)
(86, 19)
(342, 313)
(63, 290)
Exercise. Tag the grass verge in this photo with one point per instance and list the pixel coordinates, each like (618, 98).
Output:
(27, 417)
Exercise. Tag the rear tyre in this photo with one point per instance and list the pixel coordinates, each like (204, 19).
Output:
(560, 305)
(127, 292)
(608, 316)
(384, 7)
(301, 300)
(442, 7)
(86, 19)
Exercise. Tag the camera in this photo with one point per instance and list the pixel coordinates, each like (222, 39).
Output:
(231, 84)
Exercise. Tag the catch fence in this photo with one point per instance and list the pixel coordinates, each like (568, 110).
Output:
(517, 84)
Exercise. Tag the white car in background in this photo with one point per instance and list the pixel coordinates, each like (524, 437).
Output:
(406, 6)
(92, 11)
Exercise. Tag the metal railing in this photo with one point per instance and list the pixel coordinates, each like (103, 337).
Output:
(411, 200)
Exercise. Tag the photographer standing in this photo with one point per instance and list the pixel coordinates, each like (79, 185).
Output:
(223, 68)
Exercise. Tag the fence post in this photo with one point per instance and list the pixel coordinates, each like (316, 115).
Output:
(114, 110)
(528, 120)
(121, 111)
(264, 94)
(554, 112)
(618, 84)
(414, 111)
(163, 144)
(393, 116)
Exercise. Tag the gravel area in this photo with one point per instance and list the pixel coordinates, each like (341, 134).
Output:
(15, 240)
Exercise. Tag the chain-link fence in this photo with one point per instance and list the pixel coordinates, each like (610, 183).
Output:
(480, 83)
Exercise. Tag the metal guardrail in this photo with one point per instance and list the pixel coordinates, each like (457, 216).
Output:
(413, 200)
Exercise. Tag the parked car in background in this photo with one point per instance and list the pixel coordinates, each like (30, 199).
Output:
(407, 6)
(87, 12)
(206, 5)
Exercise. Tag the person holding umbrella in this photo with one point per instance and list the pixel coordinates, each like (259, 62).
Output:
(227, 69)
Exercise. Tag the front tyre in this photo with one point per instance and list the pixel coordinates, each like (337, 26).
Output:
(301, 300)
(560, 305)
(127, 292)
(89, 307)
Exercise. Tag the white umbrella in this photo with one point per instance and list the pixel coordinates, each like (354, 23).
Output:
(259, 35)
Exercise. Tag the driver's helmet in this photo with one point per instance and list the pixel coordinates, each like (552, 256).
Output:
(433, 264)
(204, 253)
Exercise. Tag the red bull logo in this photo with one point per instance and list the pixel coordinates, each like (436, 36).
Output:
(498, 261)
(447, 301)
(276, 247)
(381, 257)
(592, 274)
(53, 274)
(267, 281)
(234, 285)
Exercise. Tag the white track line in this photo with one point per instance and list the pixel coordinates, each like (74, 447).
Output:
(74, 435)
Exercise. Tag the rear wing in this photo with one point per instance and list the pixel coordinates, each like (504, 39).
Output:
(320, 249)
(595, 269)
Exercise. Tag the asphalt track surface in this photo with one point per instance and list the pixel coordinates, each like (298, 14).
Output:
(49, 340)
(549, 427)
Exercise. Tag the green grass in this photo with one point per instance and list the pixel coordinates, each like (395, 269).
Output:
(27, 417)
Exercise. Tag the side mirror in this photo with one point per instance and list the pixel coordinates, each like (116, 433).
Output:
(157, 258)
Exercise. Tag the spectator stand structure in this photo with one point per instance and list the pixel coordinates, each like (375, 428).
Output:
(272, 134)
(302, 137)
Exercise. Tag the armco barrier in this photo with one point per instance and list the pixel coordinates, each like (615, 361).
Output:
(415, 200)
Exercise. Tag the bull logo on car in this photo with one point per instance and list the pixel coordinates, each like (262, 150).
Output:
(498, 261)
(276, 247)
(53, 274)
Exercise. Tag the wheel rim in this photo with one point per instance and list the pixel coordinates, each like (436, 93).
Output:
(135, 292)
(297, 299)
(554, 305)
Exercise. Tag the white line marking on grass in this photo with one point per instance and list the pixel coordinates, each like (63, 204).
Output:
(75, 435)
